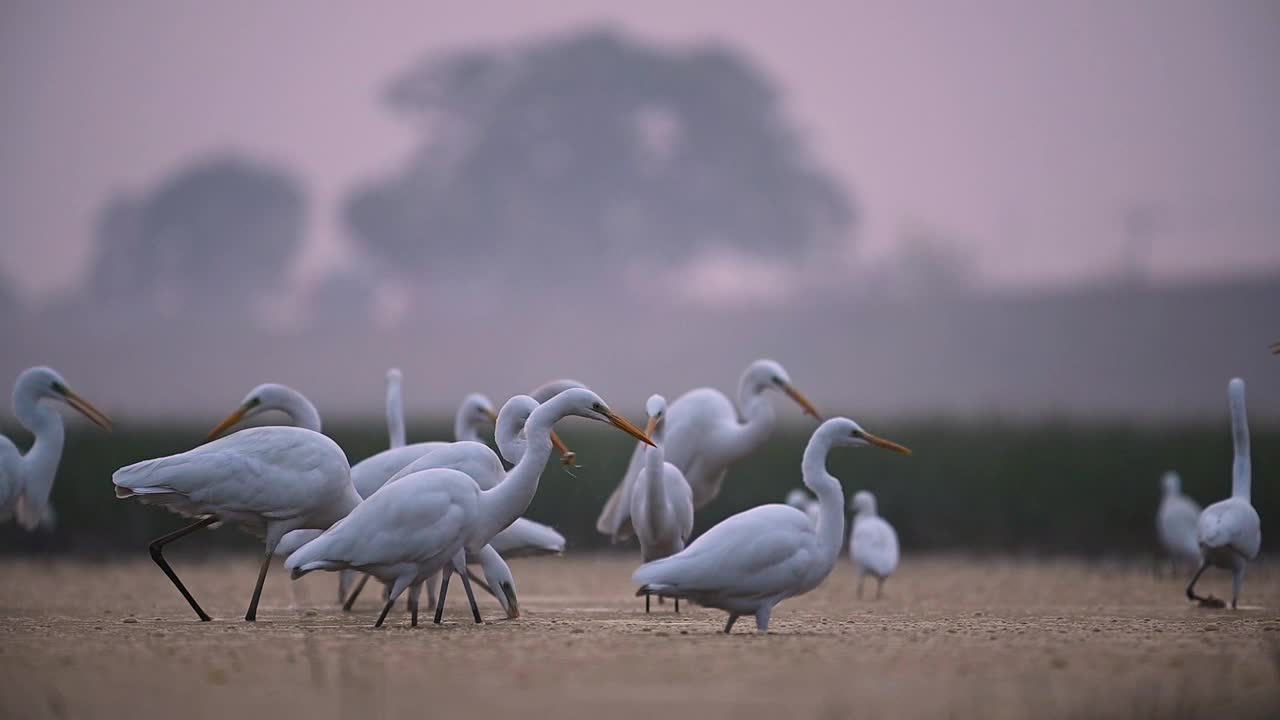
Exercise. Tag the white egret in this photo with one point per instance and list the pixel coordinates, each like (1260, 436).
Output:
(757, 558)
(395, 409)
(804, 502)
(425, 521)
(705, 436)
(1229, 531)
(1176, 520)
(27, 480)
(662, 504)
(873, 543)
(267, 480)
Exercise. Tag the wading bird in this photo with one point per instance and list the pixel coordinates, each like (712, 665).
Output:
(873, 543)
(1176, 521)
(804, 502)
(425, 521)
(268, 480)
(1229, 531)
(752, 561)
(704, 437)
(662, 504)
(27, 480)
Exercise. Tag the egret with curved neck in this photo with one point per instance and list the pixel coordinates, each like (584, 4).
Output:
(662, 505)
(26, 481)
(705, 436)
(753, 560)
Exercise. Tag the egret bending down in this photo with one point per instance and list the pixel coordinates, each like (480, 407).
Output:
(1229, 531)
(1176, 521)
(662, 505)
(27, 480)
(704, 436)
(752, 561)
(873, 543)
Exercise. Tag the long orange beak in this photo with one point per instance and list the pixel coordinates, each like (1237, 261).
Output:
(86, 408)
(886, 444)
(621, 423)
(652, 427)
(802, 401)
(567, 456)
(231, 419)
(1275, 348)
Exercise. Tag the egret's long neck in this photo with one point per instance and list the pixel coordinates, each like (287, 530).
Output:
(508, 435)
(508, 500)
(655, 488)
(1241, 470)
(464, 428)
(40, 464)
(813, 468)
(395, 414)
(758, 413)
(301, 411)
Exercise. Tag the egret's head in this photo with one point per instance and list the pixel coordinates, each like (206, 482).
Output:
(267, 396)
(477, 410)
(1171, 482)
(844, 432)
(584, 403)
(497, 575)
(656, 407)
(45, 383)
(863, 502)
(763, 375)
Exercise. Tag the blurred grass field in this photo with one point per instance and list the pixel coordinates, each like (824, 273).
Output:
(999, 486)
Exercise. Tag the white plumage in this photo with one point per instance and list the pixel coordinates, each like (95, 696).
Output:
(804, 502)
(873, 543)
(1176, 520)
(662, 504)
(752, 561)
(704, 436)
(1229, 531)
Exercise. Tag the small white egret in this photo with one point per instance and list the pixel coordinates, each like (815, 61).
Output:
(426, 520)
(757, 558)
(27, 480)
(804, 502)
(873, 543)
(705, 436)
(662, 504)
(1229, 531)
(267, 480)
(1176, 520)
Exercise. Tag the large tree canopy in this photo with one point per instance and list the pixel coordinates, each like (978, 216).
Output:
(218, 233)
(591, 149)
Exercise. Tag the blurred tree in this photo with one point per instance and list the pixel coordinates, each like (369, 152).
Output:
(217, 235)
(590, 150)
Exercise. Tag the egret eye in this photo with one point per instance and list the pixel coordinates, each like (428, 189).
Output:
(58, 387)
(856, 433)
(597, 407)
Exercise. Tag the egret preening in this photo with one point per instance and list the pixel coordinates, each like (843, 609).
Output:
(428, 519)
(1229, 531)
(27, 480)
(704, 436)
(268, 480)
(1176, 521)
(873, 543)
(662, 504)
(803, 501)
(752, 561)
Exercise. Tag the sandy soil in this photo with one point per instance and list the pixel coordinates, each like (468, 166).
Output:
(952, 637)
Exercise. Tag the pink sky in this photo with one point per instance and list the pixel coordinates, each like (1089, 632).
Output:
(1025, 128)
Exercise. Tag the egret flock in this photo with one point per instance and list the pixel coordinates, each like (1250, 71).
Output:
(416, 514)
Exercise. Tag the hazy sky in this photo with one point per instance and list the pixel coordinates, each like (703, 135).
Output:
(1029, 129)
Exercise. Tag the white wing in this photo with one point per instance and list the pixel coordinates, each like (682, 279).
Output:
(1231, 523)
(525, 538)
(873, 544)
(473, 459)
(371, 473)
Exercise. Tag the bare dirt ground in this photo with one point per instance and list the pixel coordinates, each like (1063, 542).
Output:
(953, 637)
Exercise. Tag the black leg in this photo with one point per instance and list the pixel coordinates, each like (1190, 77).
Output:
(471, 598)
(483, 585)
(385, 609)
(444, 589)
(1191, 589)
(252, 614)
(677, 605)
(355, 593)
(646, 602)
(733, 618)
(157, 546)
(413, 609)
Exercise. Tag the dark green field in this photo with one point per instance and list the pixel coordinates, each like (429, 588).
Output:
(1046, 487)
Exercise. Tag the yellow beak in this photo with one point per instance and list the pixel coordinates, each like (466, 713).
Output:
(231, 419)
(802, 401)
(652, 427)
(621, 423)
(886, 444)
(86, 408)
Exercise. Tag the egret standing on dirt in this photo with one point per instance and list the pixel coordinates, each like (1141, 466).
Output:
(704, 436)
(1229, 531)
(1176, 522)
(427, 520)
(873, 543)
(752, 561)
(662, 504)
(27, 480)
